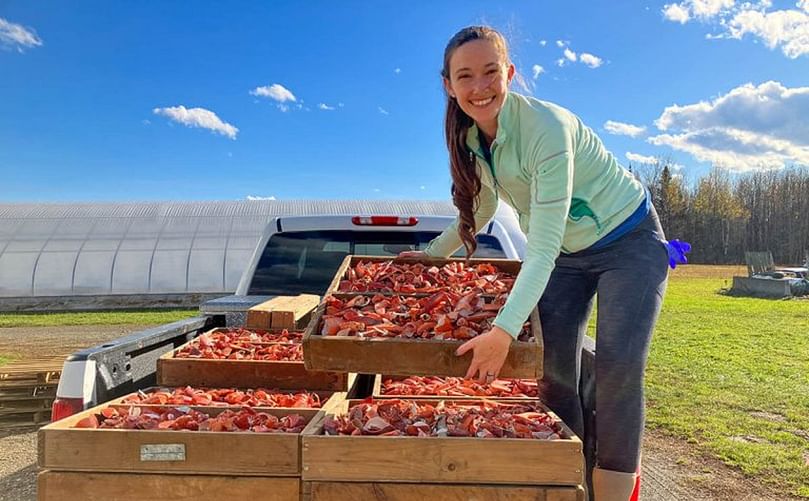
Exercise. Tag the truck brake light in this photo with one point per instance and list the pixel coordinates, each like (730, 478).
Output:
(64, 407)
(384, 221)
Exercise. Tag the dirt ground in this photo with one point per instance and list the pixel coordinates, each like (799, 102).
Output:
(672, 470)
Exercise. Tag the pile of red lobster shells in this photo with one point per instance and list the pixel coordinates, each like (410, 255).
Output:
(443, 315)
(172, 418)
(458, 387)
(482, 419)
(221, 397)
(243, 344)
(412, 278)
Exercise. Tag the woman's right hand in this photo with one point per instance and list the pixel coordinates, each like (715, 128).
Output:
(415, 254)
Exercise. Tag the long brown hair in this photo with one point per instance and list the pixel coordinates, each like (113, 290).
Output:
(465, 180)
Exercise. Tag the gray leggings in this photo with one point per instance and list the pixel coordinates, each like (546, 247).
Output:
(629, 276)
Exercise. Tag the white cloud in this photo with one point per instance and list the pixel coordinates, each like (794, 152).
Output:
(623, 129)
(641, 159)
(198, 117)
(537, 70)
(13, 35)
(590, 60)
(750, 127)
(787, 29)
(254, 197)
(326, 107)
(560, 62)
(382, 110)
(422, 187)
(560, 43)
(545, 42)
(570, 55)
(340, 105)
(397, 70)
(276, 92)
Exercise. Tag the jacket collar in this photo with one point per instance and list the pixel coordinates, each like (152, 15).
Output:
(503, 119)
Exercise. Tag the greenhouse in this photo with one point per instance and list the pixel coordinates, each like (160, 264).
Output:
(148, 248)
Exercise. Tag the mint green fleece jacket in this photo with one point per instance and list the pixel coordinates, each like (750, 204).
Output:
(568, 191)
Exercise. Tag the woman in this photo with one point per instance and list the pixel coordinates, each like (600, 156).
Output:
(590, 228)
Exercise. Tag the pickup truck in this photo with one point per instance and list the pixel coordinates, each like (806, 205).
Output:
(295, 255)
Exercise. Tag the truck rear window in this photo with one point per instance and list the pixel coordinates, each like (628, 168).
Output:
(305, 262)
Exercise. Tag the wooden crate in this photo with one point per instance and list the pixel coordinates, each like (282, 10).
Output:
(408, 357)
(62, 447)
(173, 371)
(281, 312)
(443, 460)
(511, 266)
(377, 393)
(324, 398)
(59, 485)
(379, 491)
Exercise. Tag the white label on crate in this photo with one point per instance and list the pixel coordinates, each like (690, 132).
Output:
(162, 452)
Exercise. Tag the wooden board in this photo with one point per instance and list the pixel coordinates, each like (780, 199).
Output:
(341, 491)
(244, 374)
(377, 393)
(511, 266)
(62, 447)
(281, 312)
(59, 485)
(409, 357)
(439, 459)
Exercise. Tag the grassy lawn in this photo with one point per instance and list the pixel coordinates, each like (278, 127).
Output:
(731, 376)
(142, 317)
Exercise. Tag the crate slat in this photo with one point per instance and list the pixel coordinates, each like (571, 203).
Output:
(54, 486)
(378, 491)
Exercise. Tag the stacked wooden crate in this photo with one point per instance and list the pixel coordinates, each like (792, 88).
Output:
(337, 467)
(27, 390)
(137, 464)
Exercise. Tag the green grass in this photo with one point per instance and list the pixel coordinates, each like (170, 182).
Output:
(4, 359)
(731, 376)
(137, 317)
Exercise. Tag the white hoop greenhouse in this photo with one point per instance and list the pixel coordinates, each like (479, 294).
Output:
(148, 248)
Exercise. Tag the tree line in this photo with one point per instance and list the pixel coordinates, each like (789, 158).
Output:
(723, 215)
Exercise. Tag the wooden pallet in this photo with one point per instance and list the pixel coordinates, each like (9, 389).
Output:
(27, 390)
(41, 370)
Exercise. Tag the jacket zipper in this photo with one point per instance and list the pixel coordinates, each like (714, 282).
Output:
(492, 170)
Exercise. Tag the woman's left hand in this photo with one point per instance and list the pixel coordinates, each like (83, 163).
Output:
(489, 353)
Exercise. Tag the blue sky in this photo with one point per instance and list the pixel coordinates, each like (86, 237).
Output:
(91, 92)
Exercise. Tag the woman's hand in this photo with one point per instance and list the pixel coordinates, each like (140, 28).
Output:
(489, 353)
(416, 254)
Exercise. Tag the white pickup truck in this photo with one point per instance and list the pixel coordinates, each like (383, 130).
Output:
(296, 254)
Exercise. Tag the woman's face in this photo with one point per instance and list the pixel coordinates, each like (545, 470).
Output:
(478, 79)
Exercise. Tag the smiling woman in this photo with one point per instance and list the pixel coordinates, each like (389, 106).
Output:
(590, 228)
